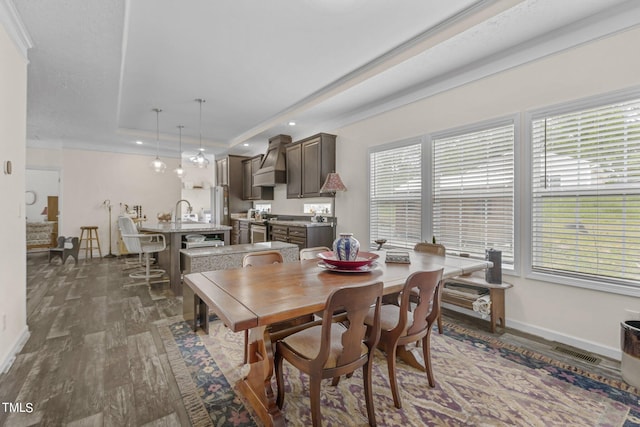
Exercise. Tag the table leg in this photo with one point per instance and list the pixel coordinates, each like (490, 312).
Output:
(190, 302)
(256, 386)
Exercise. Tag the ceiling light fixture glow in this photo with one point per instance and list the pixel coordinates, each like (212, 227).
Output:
(199, 159)
(158, 165)
(292, 123)
(179, 171)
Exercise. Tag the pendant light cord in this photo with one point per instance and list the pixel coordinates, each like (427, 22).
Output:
(157, 110)
(200, 100)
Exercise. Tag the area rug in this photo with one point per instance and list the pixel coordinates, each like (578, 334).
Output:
(480, 381)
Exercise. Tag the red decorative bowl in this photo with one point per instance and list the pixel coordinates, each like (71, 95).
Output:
(363, 258)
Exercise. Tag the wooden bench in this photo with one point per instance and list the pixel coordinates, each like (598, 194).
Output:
(476, 282)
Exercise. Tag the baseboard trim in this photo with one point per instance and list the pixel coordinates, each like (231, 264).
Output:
(15, 349)
(547, 334)
(611, 353)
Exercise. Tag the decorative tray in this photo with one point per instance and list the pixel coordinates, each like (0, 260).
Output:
(363, 259)
(361, 269)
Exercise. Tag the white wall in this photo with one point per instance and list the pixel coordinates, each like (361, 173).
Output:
(88, 178)
(13, 108)
(42, 183)
(588, 319)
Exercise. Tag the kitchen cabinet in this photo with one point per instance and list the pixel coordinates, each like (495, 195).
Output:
(304, 237)
(240, 232)
(229, 173)
(249, 191)
(309, 161)
(222, 171)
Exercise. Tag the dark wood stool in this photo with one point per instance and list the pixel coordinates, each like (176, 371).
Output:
(92, 235)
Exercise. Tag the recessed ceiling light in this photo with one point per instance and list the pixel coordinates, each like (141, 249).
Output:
(245, 144)
(139, 142)
(292, 123)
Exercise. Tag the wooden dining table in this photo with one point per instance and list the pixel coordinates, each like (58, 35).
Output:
(255, 298)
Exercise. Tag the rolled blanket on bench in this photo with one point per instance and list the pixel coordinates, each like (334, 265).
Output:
(483, 306)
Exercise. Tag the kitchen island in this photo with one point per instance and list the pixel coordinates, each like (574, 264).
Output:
(174, 233)
(197, 260)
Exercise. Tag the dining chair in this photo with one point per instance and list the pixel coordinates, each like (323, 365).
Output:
(432, 248)
(262, 258)
(145, 244)
(329, 348)
(435, 249)
(399, 326)
(254, 259)
(312, 253)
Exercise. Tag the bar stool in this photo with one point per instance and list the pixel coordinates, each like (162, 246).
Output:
(92, 235)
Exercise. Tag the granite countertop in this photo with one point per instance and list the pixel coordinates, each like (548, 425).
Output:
(233, 249)
(181, 227)
(299, 223)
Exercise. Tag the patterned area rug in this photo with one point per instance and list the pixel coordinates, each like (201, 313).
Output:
(479, 381)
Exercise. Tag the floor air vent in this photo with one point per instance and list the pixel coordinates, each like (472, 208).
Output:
(576, 354)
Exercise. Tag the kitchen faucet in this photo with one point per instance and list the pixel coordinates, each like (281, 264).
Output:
(189, 209)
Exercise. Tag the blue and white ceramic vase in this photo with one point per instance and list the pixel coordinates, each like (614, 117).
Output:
(346, 247)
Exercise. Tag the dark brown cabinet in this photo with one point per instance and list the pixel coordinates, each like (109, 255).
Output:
(308, 163)
(222, 171)
(251, 192)
(239, 232)
(304, 237)
(229, 173)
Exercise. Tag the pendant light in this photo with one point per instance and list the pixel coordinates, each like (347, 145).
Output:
(158, 165)
(199, 159)
(180, 172)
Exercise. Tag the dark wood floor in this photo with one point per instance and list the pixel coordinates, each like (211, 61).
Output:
(95, 357)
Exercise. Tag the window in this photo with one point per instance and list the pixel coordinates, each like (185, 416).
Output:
(473, 191)
(395, 193)
(586, 193)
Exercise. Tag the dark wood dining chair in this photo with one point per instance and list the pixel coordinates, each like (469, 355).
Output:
(399, 326)
(253, 259)
(328, 348)
(312, 253)
(436, 249)
(262, 258)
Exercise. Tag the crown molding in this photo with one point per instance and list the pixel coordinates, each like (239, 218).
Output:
(10, 19)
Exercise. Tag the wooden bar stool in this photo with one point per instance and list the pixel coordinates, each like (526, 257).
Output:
(92, 235)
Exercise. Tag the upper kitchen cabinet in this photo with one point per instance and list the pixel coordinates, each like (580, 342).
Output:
(250, 191)
(229, 172)
(222, 171)
(308, 163)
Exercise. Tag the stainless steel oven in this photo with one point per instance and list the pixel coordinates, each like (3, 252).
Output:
(258, 233)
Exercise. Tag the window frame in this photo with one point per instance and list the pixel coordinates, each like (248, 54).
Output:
(527, 195)
(392, 146)
(511, 119)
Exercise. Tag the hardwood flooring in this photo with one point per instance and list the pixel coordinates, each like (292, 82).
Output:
(95, 357)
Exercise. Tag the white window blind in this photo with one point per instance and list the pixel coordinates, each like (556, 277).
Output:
(586, 193)
(396, 195)
(473, 207)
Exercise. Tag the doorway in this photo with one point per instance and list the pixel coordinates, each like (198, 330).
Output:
(42, 204)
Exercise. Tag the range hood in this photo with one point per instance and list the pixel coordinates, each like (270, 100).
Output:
(273, 169)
